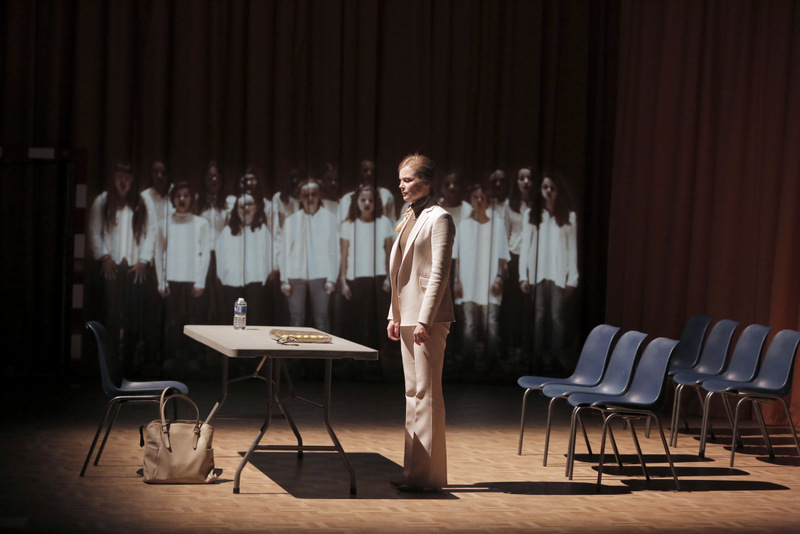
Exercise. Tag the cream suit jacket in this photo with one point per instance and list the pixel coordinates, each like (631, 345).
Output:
(421, 275)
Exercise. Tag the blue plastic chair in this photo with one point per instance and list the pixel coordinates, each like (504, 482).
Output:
(772, 383)
(687, 353)
(120, 390)
(588, 370)
(712, 361)
(643, 400)
(741, 367)
(615, 381)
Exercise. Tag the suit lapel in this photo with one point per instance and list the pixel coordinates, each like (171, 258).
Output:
(414, 232)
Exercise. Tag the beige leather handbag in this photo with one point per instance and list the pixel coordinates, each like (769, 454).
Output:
(180, 451)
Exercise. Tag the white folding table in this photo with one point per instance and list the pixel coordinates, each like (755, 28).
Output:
(256, 342)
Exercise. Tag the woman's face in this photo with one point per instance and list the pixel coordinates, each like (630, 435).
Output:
(412, 187)
(248, 183)
(213, 180)
(479, 201)
(246, 207)
(524, 181)
(366, 204)
(451, 189)
(183, 200)
(549, 191)
(122, 181)
(310, 197)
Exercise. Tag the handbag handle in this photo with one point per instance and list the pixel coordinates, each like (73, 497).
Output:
(165, 427)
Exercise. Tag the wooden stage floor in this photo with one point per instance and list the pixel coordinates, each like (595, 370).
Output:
(492, 489)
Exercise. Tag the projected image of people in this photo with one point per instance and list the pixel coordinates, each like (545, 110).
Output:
(182, 257)
(480, 254)
(309, 256)
(245, 258)
(121, 237)
(365, 238)
(548, 268)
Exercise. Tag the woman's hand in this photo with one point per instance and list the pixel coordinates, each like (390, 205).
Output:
(139, 272)
(393, 330)
(421, 333)
(109, 268)
(497, 287)
(387, 284)
(524, 286)
(330, 287)
(286, 289)
(458, 289)
(345, 289)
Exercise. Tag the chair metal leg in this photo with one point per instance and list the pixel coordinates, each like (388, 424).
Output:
(673, 425)
(573, 431)
(735, 427)
(638, 448)
(522, 422)
(726, 403)
(109, 408)
(614, 447)
(760, 419)
(585, 435)
(702, 401)
(114, 414)
(606, 423)
(547, 431)
(666, 451)
(704, 426)
(791, 424)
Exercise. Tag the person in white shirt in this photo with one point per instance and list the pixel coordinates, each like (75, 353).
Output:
(498, 191)
(480, 254)
(182, 258)
(365, 238)
(211, 204)
(548, 266)
(516, 311)
(309, 258)
(158, 196)
(245, 260)
(451, 197)
(366, 175)
(121, 235)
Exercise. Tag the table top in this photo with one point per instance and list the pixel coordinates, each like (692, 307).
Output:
(255, 341)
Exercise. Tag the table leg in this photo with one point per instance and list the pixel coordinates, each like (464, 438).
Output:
(223, 391)
(282, 367)
(331, 433)
(261, 431)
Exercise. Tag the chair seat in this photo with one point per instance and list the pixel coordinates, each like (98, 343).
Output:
(152, 387)
(589, 399)
(562, 390)
(692, 378)
(537, 382)
(719, 386)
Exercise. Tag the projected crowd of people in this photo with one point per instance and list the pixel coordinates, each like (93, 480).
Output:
(182, 251)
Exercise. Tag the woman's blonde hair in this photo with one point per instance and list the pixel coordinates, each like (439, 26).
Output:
(425, 169)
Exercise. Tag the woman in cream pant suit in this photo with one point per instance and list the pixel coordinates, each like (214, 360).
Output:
(420, 317)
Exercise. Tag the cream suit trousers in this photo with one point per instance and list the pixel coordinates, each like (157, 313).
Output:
(425, 462)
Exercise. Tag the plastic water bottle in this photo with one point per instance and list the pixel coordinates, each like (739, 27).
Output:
(240, 314)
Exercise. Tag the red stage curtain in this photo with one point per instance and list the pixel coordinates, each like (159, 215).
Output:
(704, 208)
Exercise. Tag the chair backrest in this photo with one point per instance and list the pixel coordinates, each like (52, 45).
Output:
(110, 370)
(687, 352)
(620, 365)
(715, 350)
(746, 354)
(775, 373)
(594, 355)
(647, 385)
